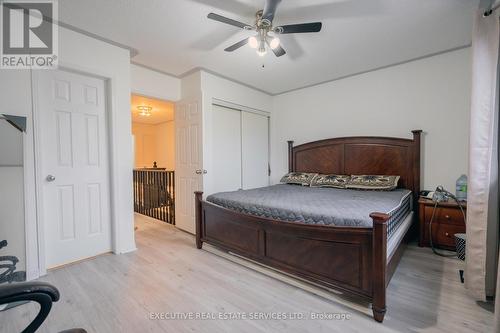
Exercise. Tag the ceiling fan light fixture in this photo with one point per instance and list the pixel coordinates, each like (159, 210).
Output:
(267, 33)
(262, 51)
(274, 43)
(253, 42)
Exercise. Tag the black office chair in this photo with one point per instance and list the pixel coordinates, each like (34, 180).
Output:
(42, 293)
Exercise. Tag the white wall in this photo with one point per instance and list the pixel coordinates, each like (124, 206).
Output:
(150, 83)
(154, 142)
(214, 86)
(191, 85)
(145, 145)
(431, 94)
(165, 138)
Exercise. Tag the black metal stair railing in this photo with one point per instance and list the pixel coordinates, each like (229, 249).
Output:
(154, 194)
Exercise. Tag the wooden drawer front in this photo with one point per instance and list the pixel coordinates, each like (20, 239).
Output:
(444, 215)
(443, 234)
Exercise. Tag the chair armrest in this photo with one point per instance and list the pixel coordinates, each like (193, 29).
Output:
(42, 293)
(26, 288)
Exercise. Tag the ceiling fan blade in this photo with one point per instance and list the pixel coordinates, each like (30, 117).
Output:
(236, 46)
(270, 9)
(220, 18)
(278, 51)
(299, 28)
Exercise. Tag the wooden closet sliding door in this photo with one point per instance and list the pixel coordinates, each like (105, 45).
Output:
(240, 154)
(255, 150)
(226, 152)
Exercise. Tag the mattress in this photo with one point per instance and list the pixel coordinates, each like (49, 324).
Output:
(319, 206)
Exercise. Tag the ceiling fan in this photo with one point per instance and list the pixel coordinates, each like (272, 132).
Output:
(267, 34)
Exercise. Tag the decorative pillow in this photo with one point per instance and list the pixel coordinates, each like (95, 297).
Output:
(337, 181)
(373, 182)
(301, 178)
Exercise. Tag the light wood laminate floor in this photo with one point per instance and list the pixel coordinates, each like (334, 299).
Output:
(167, 274)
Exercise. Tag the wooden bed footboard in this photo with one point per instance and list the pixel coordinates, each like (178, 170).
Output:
(352, 260)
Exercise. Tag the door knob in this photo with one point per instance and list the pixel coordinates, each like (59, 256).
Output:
(198, 172)
(50, 178)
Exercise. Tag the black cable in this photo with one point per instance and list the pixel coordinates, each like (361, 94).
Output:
(430, 226)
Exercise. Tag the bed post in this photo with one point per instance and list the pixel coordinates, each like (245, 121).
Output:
(379, 264)
(290, 156)
(198, 197)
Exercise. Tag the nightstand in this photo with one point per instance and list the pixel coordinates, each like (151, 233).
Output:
(448, 221)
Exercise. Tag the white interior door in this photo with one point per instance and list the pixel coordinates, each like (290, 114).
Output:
(226, 152)
(255, 148)
(74, 165)
(188, 161)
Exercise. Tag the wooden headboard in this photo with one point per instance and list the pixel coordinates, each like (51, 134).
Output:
(361, 156)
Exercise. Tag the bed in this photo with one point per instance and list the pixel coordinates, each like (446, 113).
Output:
(353, 246)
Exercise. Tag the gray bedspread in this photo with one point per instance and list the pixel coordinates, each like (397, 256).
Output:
(327, 206)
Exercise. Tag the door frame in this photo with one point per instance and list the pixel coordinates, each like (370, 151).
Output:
(35, 250)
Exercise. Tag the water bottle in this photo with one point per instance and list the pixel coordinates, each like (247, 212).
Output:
(461, 188)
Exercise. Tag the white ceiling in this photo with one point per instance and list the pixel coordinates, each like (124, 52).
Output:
(175, 36)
